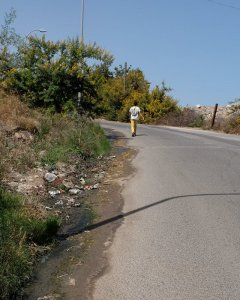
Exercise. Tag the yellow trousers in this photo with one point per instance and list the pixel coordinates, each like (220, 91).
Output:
(134, 126)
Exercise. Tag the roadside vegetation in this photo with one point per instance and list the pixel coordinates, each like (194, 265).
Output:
(68, 76)
(31, 138)
(21, 235)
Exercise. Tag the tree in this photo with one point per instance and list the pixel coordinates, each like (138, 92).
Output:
(51, 74)
(9, 42)
(8, 35)
(117, 98)
(160, 103)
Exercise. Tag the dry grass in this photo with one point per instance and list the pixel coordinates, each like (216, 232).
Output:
(184, 118)
(27, 133)
(16, 114)
(3, 155)
(232, 124)
(15, 153)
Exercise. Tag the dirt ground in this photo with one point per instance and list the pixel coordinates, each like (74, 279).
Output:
(70, 271)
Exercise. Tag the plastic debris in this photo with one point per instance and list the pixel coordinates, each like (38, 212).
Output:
(50, 177)
(60, 202)
(82, 181)
(48, 208)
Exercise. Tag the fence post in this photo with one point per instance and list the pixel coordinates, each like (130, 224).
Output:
(214, 115)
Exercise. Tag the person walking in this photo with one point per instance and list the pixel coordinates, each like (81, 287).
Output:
(134, 114)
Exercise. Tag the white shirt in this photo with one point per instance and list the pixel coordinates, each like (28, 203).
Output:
(135, 111)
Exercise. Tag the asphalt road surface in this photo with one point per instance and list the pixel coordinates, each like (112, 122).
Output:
(180, 238)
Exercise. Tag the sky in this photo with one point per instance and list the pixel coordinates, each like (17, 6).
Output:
(191, 45)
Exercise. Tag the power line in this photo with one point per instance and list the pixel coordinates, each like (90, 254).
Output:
(224, 4)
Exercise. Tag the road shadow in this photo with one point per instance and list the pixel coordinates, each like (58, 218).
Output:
(137, 210)
(113, 135)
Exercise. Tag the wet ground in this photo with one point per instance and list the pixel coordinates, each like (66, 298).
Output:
(78, 256)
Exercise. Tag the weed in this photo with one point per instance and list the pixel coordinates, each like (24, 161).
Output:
(45, 126)
(83, 138)
(3, 155)
(42, 231)
(185, 117)
(55, 153)
(17, 231)
(232, 125)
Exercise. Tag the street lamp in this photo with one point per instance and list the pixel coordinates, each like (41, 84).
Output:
(39, 30)
(82, 17)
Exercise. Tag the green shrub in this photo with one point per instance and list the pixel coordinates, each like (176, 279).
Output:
(45, 126)
(17, 231)
(80, 137)
(42, 231)
(91, 142)
(55, 153)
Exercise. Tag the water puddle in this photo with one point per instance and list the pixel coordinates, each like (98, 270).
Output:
(54, 269)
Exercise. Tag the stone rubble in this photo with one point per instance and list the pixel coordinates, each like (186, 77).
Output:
(59, 190)
(207, 111)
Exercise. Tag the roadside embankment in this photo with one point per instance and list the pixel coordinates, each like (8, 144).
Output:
(48, 166)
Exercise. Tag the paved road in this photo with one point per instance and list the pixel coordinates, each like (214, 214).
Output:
(186, 243)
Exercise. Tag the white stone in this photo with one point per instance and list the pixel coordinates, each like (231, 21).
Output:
(50, 177)
(74, 191)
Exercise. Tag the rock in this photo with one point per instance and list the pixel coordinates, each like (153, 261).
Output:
(23, 135)
(72, 282)
(54, 193)
(68, 184)
(70, 202)
(96, 186)
(78, 187)
(111, 157)
(88, 187)
(60, 202)
(50, 177)
(99, 176)
(50, 297)
(74, 191)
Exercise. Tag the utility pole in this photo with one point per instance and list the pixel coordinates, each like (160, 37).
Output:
(124, 78)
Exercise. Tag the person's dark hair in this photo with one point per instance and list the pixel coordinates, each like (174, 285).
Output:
(135, 103)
